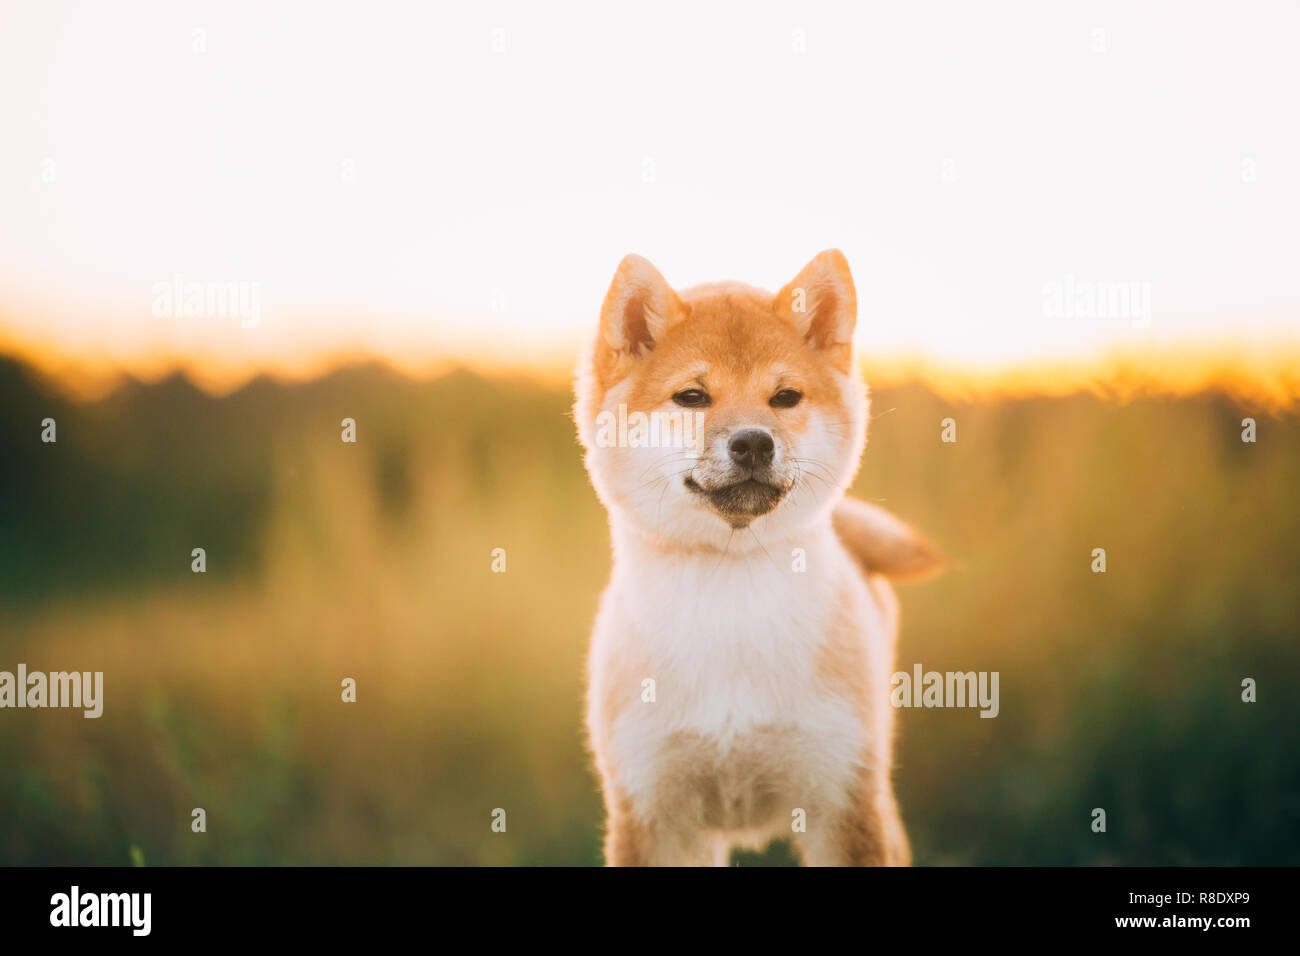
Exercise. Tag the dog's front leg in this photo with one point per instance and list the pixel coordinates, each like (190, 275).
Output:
(634, 840)
(864, 830)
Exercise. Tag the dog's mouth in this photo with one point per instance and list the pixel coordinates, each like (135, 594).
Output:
(741, 502)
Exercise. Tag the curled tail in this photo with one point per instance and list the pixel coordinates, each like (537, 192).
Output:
(884, 544)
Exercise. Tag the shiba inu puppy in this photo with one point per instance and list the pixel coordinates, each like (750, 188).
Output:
(740, 662)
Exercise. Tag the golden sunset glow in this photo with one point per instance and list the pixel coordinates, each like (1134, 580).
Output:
(432, 191)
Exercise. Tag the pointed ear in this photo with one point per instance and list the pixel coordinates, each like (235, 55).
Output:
(639, 307)
(821, 302)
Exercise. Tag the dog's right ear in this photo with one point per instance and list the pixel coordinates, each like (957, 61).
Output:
(639, 307)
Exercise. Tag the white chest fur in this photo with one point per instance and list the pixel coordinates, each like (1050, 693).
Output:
(734, 648)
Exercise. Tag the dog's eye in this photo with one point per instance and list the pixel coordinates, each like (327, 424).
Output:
(692, 398)
(786, 398)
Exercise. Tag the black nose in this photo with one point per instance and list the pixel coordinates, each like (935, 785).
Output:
(751, 448)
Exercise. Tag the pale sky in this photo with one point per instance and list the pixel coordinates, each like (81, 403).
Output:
(423, 181)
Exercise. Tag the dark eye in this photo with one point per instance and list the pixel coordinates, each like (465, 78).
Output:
(786, 398)
(692, 398)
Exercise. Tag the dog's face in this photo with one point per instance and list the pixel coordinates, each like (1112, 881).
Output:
(723, 407)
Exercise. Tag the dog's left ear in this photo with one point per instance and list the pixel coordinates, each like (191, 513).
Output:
(821, 302)
(639, 307)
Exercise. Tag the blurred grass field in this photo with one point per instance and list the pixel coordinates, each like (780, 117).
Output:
(372, 561)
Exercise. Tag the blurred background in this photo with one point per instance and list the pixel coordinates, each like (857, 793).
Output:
(413, 212)
(328, 560)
